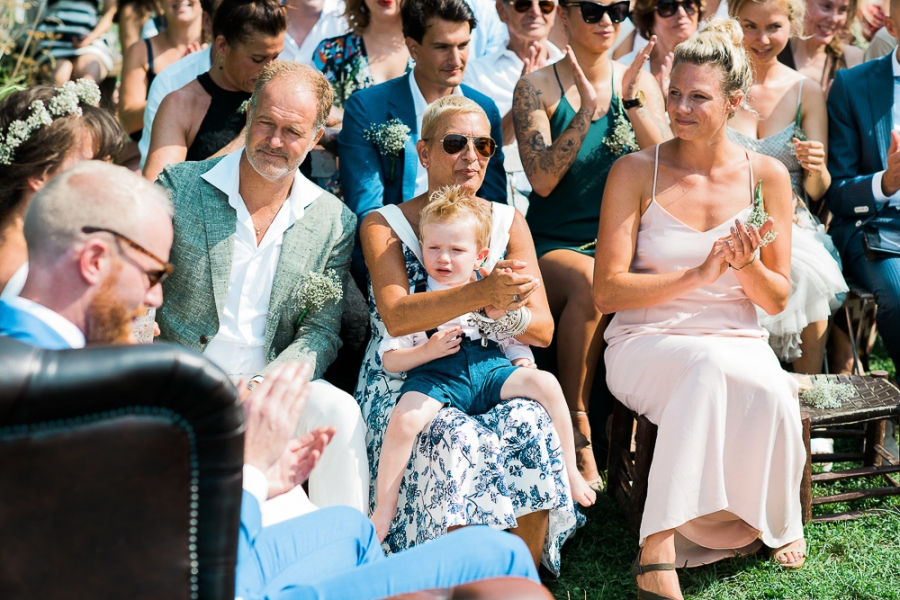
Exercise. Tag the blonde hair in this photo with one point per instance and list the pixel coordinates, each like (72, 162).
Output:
(306, 75)
(453, 203)
(448, 106)
(720, 45)
(796, 10)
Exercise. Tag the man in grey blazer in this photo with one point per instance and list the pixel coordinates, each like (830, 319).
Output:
(249, 228)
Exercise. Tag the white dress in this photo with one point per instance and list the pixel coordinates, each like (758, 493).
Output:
(729, 453)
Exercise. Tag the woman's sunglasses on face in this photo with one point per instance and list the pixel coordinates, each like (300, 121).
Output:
(523, 6)
(592, 12)
(454, 143)
(668, 8)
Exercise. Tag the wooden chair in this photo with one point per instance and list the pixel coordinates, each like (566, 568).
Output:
(876, 400)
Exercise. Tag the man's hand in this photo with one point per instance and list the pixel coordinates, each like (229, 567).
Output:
(890, 183)
(298, 460)
(271, 412)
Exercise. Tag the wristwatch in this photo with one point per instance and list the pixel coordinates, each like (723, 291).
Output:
(636, 102)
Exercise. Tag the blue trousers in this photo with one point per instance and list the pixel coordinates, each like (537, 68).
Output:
(882, 279)
(333, 554)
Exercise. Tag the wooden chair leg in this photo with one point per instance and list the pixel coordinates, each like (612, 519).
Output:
(806, 482)
(645, 444)
(874, 437)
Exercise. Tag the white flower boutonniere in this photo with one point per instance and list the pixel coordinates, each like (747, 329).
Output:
(389, 138)
(316, 290)
(758, 216)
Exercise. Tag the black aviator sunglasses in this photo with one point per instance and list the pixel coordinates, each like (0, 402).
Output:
(668, 8)
(454, 143)
(523, 6)
(592, 12)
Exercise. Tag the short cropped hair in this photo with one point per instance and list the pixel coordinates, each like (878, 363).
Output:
(309, 77)
(416, 15)
(90, 194)
(238, 20)
(452, 203)
(442, 109)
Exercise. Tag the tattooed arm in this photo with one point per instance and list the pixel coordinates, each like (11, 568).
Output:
(545, 164)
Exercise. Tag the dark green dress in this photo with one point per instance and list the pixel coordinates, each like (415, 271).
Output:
(568, 217)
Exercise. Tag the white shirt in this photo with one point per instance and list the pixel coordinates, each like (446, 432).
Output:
(421, 106)
(331, 24)
(174, 77)
(490, 34)
(239, 346)
(880, 198)
(55, 321)
(16, 283)
(496, 74)
(511, 347)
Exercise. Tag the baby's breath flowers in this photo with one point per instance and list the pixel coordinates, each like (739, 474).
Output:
(759, 216)
(64, 104)
(390, 139)
(316, 290)
(622, 140)
(827, 394)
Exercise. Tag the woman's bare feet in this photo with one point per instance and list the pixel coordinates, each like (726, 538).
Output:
(791, 556)
(382, 518)
(581, 491)
(660, 548)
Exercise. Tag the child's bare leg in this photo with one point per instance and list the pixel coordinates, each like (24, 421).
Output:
(413, 412)
(543, 388)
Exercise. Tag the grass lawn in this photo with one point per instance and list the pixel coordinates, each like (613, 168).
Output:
(847, 560)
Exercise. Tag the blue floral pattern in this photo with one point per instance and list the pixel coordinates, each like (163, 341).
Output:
(485, 469)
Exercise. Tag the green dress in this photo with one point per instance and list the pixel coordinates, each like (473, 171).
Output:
(567, 218)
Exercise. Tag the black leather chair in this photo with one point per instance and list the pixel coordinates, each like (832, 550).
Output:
(120, 474)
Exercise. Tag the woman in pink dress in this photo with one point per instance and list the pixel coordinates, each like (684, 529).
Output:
(681, 267)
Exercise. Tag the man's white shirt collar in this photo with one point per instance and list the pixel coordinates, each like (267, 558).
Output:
(419, 99)
(55, 321)
(226, 177)
(895, 65)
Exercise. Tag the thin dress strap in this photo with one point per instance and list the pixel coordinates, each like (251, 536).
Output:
(655, 171)
(395, 219)
(750, 162)
(555, 72)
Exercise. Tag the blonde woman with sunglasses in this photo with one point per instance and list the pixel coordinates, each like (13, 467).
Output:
(572, 121)
(464, 470)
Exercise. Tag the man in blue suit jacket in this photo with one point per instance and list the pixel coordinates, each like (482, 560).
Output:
(864, 161)
(437, 35)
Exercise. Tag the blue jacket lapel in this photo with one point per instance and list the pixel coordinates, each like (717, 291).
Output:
(881, 100)
(403, 108)
(220, 221)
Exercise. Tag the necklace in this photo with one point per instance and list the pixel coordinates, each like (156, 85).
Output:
(259, 230)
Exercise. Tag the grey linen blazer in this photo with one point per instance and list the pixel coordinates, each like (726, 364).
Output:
(194, 295)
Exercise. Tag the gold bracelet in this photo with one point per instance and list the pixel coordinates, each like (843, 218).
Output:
(745, 266)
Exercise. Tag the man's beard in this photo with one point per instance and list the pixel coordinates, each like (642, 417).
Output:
(109, 320)
(266, 167)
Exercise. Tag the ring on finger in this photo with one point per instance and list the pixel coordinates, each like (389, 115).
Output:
(516, 298)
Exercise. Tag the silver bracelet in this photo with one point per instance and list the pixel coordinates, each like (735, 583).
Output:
(513, 324)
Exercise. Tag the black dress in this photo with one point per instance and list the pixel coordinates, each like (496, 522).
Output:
(221, 124)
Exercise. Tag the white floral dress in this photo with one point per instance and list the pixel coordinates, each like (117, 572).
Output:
(466, 470)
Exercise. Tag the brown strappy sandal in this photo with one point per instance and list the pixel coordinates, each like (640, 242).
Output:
(638, 569)
(584, 451)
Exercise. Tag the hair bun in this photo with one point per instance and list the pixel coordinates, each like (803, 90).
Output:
(728, 29)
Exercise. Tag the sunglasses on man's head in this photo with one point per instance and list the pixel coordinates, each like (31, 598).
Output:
(523, 6)
(592, 12)
(668, 8)
(155, 277)
(454, 143)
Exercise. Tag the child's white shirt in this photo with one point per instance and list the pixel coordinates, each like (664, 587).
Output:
(511, 347)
